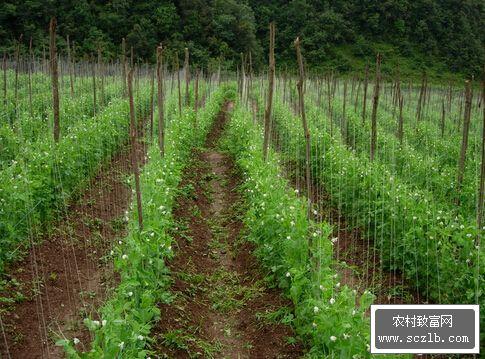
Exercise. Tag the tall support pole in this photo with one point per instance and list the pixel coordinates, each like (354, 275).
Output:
(196, 96)
(54, 77)
(123, 64)
(375, 104)
(16, 84)
(4, 79)
(400, 130)
(301, 101)
(30, 64)
(366, 85)
(269, 102)
(464, 142)
(160, 94)
(187, 76)
(69, 63)
(177, 70)
(152, 105)
(134, 154)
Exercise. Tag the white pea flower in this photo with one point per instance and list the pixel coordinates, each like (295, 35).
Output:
(332, 300)
(288, 274)
(76, 341)
(315, 309)
(124, 256)
(333, 338)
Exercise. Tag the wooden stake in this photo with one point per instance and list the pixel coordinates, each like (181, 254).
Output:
(123, 64)
(187, 77)
(134, 140)
(464, 142)
(4, 79)
(482, 171)
(101, 74)
(400, 130)
(421, 99)
(177, 70)
(16, 85)
(366, 84)
(160, 94)
(93, 73)
(30, 64)
(196, 96)
(269, 103)
(54, 77)
(375, 104)
(69, 60)
(152, 90)
(442, 118)
(344, 118)
(300, 87)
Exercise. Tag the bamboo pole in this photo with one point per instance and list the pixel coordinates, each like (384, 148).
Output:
(269, 103)
(54, 77)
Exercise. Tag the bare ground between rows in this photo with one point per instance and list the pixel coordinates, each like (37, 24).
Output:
(66, 277)
(221, 304)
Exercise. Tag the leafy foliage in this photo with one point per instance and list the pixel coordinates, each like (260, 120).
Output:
(338, 34)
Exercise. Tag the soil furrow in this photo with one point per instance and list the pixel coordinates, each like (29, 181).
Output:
(221, 307)
(68, 275)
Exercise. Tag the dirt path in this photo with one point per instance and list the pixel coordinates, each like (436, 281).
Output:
(66, 277)
(221, 306)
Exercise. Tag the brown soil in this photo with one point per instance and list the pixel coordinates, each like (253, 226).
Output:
(67, 276)
(219, 296)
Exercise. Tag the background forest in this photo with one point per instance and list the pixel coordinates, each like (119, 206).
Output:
(439, 36)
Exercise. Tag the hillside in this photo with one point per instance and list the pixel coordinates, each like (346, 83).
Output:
(440, 36)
